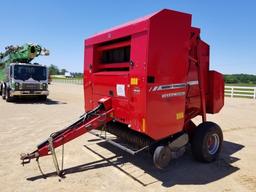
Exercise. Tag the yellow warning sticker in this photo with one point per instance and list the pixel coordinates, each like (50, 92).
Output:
(134, 81)
(179, 115)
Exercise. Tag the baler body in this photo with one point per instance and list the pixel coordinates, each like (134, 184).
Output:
(156, 71)
(144, 82)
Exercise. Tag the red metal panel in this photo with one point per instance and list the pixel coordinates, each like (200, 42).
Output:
(119, 32)
(105, 84)
(88, 60)
(168, 59)
(198, 66)
(138, 97)
(216, 92)
(204, 62)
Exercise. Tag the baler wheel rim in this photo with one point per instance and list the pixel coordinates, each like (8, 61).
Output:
(213, 143)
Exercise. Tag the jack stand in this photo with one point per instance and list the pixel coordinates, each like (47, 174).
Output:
(54, 157)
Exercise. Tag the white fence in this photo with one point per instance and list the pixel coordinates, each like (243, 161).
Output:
(230, 91)
(69, 81)
(237, 91)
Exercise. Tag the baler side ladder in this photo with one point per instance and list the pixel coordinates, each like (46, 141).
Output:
(93, 119)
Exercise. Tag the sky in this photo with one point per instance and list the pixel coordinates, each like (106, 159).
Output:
(228, 26)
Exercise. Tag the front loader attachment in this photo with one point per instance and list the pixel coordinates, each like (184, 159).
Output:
(93, 119)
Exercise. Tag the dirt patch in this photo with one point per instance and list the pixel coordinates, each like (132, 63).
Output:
(93, 165)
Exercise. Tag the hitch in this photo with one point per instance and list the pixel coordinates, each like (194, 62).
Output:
(93, 119)
(26, 157)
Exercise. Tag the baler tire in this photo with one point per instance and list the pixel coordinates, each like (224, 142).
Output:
(161, 157)
(201, 149)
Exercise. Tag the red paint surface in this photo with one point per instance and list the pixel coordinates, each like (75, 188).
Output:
(165, 46)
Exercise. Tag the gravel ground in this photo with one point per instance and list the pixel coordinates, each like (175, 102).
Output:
(93, 165)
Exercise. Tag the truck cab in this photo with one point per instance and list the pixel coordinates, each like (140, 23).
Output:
(24, 79)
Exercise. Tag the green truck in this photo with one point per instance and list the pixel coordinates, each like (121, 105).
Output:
(18, 76)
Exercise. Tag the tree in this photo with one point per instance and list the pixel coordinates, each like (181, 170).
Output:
(63, 71)
(240, 78)
(54, 70)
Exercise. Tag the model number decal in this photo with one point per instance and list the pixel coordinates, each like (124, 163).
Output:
(168, 95)
(172, 86)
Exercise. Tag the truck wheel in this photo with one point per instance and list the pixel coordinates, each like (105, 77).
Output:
(207, 142)
(3, 93)
(1, 89)
(8, 98)
(162, 157)
(43, 97)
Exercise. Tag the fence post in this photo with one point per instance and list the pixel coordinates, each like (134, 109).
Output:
(254, 95)
(232, 92)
